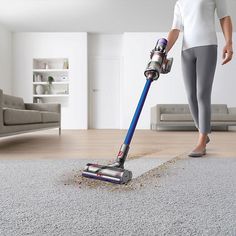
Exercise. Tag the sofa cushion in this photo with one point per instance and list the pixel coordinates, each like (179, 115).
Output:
(174, 109)
(176, 117)
(188, 117)
(184, 108)
(13, 102)
(219, 108)
(223, 117)
(18, 117)
(48, 117)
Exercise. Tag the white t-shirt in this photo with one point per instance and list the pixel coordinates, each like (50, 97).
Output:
(196, 18)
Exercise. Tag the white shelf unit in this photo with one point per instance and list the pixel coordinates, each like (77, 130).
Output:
(50, 70)
(51, 95)
(45, 83)
(58, 69)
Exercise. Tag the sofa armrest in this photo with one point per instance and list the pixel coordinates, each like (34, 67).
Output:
(51, 107)
(1, 97)
(1, 117)
(155, 114)
(1, 110)
(232, 110)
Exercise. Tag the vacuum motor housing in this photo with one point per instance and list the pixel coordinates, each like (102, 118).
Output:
(158, 63)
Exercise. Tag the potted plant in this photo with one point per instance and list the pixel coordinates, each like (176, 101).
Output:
(50, 85)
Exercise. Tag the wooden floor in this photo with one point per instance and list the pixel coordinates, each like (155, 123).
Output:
(104, 144)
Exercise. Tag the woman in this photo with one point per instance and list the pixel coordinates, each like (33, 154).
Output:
(199, 55)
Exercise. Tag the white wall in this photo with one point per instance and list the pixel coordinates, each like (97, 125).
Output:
(105, 45)
(224, 87)
(135, 48)
(5, 60)
(27, 46)
(169, 88)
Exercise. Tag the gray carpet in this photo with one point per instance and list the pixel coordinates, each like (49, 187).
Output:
(185, 197)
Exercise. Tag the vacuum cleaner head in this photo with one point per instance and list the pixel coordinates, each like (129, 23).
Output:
(107, 173)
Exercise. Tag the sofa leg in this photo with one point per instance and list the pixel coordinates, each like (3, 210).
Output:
(59, 131)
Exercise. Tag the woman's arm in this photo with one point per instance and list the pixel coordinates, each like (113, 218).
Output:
(172, 37)
(227, 28)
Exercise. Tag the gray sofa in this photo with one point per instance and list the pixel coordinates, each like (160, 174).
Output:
(178, 117)
(18, 117)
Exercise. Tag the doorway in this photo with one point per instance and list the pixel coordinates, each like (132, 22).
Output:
(104, 92)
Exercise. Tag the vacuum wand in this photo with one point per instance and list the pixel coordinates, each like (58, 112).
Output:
(115, 172)
(123, 152)
(158, 64)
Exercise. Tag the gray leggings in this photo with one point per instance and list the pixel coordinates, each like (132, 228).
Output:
(198, 65)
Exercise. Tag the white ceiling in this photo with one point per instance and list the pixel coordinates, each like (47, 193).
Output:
(98, 16)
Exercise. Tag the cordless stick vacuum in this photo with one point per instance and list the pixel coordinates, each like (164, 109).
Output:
(115, 172)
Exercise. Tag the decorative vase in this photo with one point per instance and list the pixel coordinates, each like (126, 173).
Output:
(38, 78)
(65, 65)
(51, 89)
(39, 89)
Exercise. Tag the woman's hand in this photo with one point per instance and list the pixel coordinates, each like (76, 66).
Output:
(227, 53)
(226, 25)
